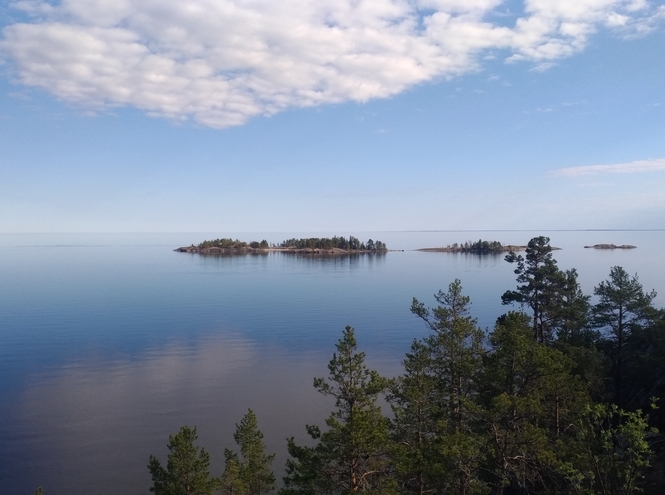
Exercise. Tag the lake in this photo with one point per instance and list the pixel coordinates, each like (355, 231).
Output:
(110, 342)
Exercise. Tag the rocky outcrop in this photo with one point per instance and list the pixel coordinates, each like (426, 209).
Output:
(610, 246)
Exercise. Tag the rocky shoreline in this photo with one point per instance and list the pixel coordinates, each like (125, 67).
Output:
(460, 249)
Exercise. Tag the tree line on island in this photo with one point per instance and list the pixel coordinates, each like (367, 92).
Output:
(477, 247)
(560, 397)
(350, 244)
(335, 244)
(228, 243)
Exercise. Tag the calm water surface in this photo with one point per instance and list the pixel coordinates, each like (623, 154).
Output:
(109, 342)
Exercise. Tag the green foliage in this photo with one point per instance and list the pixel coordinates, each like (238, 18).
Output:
(541, 280)
(413, 397)
(645, 368)
(223, 243)
(252, 475)
(187, 468)
(350, 244)
(39, 491)
(614, 451)
(521, 419)
(478, 247)
(352, 454)
(623, 308)
(452, 364)
(517, 417)
(529, 397)
(623, 305)
(569, 315)
(259, 245)
(456, 347)
(232, 482)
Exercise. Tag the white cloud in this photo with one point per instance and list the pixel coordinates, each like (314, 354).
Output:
(543, 66)
(221, 62)
(642, 26)
(617, 20)
(619, 168)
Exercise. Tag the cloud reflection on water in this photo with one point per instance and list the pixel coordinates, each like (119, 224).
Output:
(89, 427)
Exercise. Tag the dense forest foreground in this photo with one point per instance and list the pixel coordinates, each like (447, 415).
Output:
(562, 396)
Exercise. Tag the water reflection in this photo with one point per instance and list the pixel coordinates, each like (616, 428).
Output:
(352, 260)
(89, 427)
(222, 254)
(327, 261)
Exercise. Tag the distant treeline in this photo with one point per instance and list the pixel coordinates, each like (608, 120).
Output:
(479, 246)
(350, 244)
(233, 244)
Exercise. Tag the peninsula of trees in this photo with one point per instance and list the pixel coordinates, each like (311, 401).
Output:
(478, 247)
(312, 245)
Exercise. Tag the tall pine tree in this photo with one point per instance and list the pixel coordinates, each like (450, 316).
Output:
(456, 347)
(251, 474)
(623, 307)
(351, 455)
(529, 397)
(413, 398)
(187, 468)
(541, 280)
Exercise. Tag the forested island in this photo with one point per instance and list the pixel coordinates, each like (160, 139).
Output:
(610, 246)
(560, 397)
(312, 245)
(478, 247)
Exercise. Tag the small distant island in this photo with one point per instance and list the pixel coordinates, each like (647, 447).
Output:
(610, 246)
(479, 247)
(312, 245)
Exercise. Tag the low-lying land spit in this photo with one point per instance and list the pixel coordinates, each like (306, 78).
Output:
(479, 247)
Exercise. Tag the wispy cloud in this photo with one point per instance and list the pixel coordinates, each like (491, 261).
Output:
(221, 62)
(618, 168)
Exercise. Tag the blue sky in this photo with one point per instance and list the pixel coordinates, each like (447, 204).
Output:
(338, 116)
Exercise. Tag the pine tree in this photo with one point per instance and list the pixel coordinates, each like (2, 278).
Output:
(529, 397)
(251, 475)
(456, 347)
(351, 455)
(622, 308)
(570, 316)
(413, 398)
(187, 468)
(540, 279)
(231, 482)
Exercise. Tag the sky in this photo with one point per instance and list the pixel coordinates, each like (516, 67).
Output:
(336, 116)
